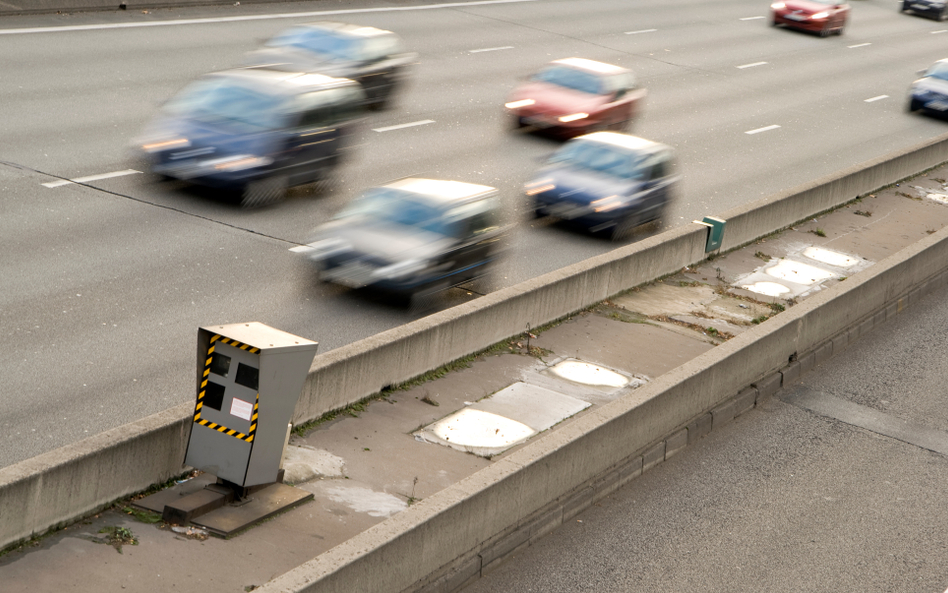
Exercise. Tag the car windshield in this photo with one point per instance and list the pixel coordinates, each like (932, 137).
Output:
(398, 207)
(571, 78)
(319, 41)
(939, 70)
(223, 102)
(601, 158)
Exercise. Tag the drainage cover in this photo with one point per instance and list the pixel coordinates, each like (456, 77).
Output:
(500, 421)
(588, 374)
(476, 428)
(767, 288)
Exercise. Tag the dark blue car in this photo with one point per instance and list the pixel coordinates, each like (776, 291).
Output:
(606, 182)
(411, 238)
(255, 132)
(934, 9)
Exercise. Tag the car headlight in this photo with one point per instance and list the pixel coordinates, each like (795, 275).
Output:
(326, 248)
(538, 187)
(239, 162)
(573, 117)
(519, 104)
(819, 15)
(400, 270)
(166, 145)
(606, 204)
(778, 5)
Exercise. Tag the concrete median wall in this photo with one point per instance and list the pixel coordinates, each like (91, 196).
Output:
(454, 535)
(72, 481)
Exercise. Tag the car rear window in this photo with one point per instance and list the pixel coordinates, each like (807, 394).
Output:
(597, 157)
(570, 78)
(226, 103)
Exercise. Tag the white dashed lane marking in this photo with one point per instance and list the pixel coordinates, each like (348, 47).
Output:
(752, 18)
(936, 33)
(874, 99)
(751, 65)
(477, 51)
(859, 45)
(764, 129)
(62, 182)
(642, 31)
(408, 125)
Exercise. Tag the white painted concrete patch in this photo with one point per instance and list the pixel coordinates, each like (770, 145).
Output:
(304, 463)
(798, 272)
(365, 500)
(833, 258)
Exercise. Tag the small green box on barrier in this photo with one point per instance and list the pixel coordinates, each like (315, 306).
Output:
(715, 228)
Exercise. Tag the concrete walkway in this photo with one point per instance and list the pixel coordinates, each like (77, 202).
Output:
(374, 460)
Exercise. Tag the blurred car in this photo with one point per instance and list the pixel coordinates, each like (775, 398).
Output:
(931, 8)
(411, 238)
(574, 96)
(816, 16)
(605, 181)
(256, 132)
(375, 58)
(930, 93)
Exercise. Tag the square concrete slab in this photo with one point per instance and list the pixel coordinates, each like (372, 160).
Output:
(232, 518)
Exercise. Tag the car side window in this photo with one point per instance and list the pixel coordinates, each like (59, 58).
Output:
(316, 110)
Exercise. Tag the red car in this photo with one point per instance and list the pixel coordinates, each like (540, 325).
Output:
(816, 16)
(575, 96)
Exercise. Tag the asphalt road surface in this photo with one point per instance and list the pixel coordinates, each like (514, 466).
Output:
(103, 283)
(784, 498)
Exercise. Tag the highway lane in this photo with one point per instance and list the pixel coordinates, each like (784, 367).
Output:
(104, 284)
(784, 499)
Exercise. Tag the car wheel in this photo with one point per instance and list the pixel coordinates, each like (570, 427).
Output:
(825, 31)
(944, 15)
(623, 228)
(904, 8)
(839, 32)
(264, 191)
(914, 105)
(424, 300)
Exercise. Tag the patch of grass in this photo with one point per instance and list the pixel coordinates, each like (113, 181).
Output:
(118, 537)
(759, 320)
(777, 307)
(712, 331)
(427, 399)
(762, 255)
(866, 213)
(142, 516)
(819, 232)
(686, 284)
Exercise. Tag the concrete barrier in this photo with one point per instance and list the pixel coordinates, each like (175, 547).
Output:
(78, 479)
(456, 534)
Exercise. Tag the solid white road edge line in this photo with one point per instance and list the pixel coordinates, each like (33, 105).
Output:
(62, 182)
(256, 17)
(408, 125)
